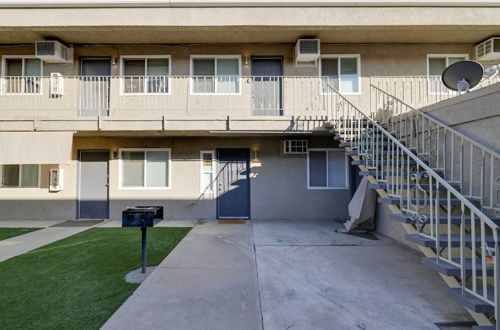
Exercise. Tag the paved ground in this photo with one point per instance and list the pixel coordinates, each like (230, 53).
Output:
(209, 281)
(313, 278)
(296, 275)
(17, 245)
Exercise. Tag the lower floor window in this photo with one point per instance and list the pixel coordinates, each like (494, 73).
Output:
(19, 176)
(327, 169)
(146, 168)
(207, 171)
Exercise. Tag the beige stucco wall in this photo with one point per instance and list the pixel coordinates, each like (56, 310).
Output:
(278, 186)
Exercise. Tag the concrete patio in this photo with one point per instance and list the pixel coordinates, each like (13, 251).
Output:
(288, 275)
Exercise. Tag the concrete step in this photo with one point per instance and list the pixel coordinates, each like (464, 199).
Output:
(350, 144)
(443, 240)
(385, 162)
(421, 201)
(443, 219)
(377, 152)
(471, 302)
(446, 268)
(393, 173)
(406, 187)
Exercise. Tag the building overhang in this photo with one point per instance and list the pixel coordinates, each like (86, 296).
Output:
(241, 3)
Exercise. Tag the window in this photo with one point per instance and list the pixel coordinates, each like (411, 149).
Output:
(295, 147)
(146, 75)
(435, 67)
(22, 75)
(145, 168)
(207, 171)
(215, 74)
(341, 72)
(19, 176)
(327, 169)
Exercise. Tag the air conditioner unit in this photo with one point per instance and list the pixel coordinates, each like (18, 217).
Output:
(488, 50)
(307, 51)
(54, 52)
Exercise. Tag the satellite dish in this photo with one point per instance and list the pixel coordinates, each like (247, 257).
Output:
(463, 75)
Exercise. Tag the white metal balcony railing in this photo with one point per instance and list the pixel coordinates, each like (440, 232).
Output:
(427, 198)
(171, 96)
(474, 168)
(420, 91)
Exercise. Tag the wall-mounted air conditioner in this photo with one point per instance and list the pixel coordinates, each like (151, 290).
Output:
(307, 51)
(53, 51)
(488, 50)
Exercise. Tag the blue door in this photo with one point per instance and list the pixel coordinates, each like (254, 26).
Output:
(233, 183)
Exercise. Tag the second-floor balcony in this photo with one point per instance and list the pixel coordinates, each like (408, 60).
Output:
(172, 97)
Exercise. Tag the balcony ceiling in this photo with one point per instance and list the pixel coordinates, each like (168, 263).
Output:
(246, 35)
(250, 25)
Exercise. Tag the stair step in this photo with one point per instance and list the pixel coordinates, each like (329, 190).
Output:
(443, 240)
(421, 201)
(446, 268)
(443, 219)
(356, 123)
(393, 173)
(355, 144)
(384, 162)
(405, 186)
(471, 302)
(378, 152)
(484, 327)
(376, 137)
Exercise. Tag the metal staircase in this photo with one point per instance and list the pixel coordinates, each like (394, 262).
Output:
(413, 163)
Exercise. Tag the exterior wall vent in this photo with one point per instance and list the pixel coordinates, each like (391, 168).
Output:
(53, 52)
(307, 51)
(488, 50)
(295, 147)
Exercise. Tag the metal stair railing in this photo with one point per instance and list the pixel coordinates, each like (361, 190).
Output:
(400, 170)
(475, 168)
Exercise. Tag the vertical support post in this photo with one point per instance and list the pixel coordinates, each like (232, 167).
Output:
(143, 249)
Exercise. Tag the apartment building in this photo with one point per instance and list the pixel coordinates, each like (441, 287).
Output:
(255, 110)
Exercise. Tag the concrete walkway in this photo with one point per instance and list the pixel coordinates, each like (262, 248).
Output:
(281, 275)
(311, 277)
(17, 245)
(209, 281)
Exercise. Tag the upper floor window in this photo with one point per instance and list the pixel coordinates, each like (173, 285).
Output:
(342, 72)
(19, 176)
(146, 75)
(215, 74)
(435, 67)
(22, 75)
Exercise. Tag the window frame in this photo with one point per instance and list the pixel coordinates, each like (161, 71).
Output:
(214, 170)
(214, 57)
(144, 187)
(145, 58)
(339, 56)
(23, 58)
(39, 181)
(446, 56)
(347, 174)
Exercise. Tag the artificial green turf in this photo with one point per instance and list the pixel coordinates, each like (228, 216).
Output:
(11, 232)
(77, 282)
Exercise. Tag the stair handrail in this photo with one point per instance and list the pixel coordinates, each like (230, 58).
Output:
(357, 133)
(440, 122)
(436, 176)
(475, 185)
